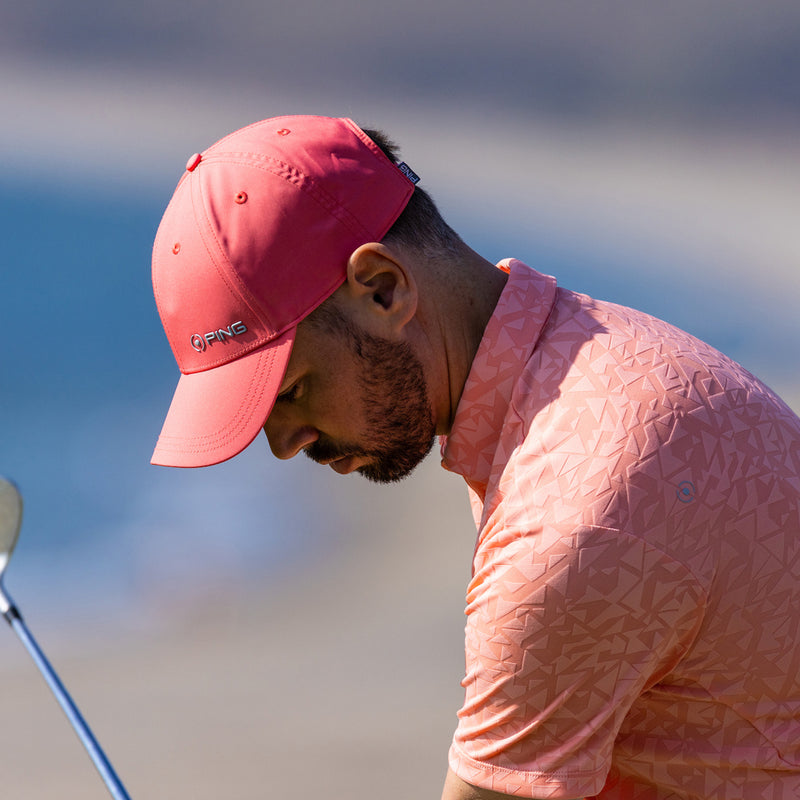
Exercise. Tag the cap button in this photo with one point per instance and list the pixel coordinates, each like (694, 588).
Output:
(193, 161)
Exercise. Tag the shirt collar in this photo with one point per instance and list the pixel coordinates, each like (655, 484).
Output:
(508, 341)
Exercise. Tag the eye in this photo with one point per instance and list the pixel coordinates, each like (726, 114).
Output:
(291, 394)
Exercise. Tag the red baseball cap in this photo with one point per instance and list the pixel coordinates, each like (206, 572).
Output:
(257, 234)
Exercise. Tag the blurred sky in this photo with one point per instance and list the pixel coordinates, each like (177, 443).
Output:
(644, 153)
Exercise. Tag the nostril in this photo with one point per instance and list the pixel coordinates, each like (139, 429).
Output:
(285, 440)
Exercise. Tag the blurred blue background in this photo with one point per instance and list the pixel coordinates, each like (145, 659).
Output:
(643, 153)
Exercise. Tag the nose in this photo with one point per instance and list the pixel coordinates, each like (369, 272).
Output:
(286, 436)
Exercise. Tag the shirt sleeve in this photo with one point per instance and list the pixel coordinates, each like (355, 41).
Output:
(564, 631)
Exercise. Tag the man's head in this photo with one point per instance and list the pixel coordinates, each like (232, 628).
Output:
(259, 234)
(351, 399)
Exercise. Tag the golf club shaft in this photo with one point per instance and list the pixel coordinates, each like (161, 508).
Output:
(94, 750)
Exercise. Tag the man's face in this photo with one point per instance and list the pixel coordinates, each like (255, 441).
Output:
(354, 402)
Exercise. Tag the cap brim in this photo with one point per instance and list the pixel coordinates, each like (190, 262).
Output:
(217, 413)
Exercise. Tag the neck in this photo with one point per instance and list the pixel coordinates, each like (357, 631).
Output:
(466, 291)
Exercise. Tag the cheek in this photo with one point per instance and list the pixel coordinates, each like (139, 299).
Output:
(341, 414)
(345, 412)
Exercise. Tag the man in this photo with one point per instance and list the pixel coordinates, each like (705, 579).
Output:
(633, 628)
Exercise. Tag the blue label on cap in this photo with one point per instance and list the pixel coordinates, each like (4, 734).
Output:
(408, 172)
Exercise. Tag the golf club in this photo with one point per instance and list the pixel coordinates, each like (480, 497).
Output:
(10, 521)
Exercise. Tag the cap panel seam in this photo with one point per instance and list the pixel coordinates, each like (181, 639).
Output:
(311, 189)
(229, 277)
(296, 177)
(169, 329)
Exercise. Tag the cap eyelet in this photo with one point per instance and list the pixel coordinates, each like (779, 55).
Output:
(241, 197)
(176, 248)
(284, 132)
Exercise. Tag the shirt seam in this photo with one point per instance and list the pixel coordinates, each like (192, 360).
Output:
(557, 775)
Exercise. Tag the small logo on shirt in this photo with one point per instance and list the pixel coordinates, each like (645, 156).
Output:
(685, 491)
(201, 341)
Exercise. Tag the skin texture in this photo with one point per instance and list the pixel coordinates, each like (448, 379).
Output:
(370, 395)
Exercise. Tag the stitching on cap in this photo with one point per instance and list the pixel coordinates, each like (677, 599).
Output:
(212, 441)
(299, 179)
(305, 184)
(225, 274)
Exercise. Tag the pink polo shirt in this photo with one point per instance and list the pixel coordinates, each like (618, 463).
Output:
(633, 620)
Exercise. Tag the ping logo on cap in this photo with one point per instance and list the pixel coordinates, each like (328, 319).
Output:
(201, 341)
(408, 172)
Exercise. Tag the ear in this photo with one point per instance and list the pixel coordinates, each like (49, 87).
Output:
(381, 286)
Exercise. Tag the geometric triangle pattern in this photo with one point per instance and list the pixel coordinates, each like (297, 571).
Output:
(633, 615)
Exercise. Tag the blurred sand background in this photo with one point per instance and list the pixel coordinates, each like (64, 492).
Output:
(262, 629)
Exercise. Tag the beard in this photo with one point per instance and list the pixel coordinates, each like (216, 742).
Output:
(394, 399)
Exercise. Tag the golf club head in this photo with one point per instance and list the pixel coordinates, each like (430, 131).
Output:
(10, 520)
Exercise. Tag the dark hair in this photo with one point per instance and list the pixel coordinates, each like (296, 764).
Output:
(420, 225)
